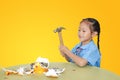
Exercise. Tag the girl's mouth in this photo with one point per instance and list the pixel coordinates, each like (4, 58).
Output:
(80, 36)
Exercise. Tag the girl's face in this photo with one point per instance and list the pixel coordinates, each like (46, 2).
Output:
(84, 33)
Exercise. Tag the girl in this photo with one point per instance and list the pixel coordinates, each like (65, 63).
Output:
(86, 52)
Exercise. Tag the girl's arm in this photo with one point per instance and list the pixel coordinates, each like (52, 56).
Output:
(78, 60)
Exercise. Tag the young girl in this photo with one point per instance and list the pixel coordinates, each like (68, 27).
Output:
(86, 52)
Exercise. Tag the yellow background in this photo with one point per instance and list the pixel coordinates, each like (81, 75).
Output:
(26, 29)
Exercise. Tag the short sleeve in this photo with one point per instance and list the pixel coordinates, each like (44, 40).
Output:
(74, 48)
(92, 56)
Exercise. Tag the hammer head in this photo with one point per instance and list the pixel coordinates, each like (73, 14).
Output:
(59, 29)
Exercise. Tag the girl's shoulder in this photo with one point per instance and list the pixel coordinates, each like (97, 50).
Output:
(93, 46)
(76, 46)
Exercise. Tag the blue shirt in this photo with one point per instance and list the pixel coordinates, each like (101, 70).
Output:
(89, 52)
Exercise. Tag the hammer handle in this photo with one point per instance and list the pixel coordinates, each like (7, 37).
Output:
(60, 38)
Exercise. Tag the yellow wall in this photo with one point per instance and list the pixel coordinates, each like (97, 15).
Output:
(26, 29)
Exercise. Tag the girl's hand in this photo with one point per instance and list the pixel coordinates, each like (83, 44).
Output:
(63, 54)
(63, 49)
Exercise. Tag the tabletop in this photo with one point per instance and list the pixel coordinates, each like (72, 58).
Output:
(72, 72)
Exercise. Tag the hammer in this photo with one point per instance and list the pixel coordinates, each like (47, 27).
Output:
(59, 30)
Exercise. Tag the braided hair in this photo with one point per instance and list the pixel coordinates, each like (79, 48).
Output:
(95, 26)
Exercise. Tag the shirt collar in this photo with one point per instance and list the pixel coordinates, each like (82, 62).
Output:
(87, 45)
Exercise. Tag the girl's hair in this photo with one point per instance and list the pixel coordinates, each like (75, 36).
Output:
(94, 26)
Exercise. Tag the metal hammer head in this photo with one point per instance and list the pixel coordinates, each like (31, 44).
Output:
(59, 29)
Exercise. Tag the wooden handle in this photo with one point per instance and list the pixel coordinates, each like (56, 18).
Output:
(60, 38)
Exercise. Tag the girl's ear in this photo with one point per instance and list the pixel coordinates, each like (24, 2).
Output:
(94, 33)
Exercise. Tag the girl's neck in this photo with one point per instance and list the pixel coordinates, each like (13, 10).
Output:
(86, 42)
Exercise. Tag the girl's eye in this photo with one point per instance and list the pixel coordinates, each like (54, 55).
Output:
(79, 30)
(84, 31)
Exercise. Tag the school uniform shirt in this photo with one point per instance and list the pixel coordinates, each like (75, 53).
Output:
(89, 52)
